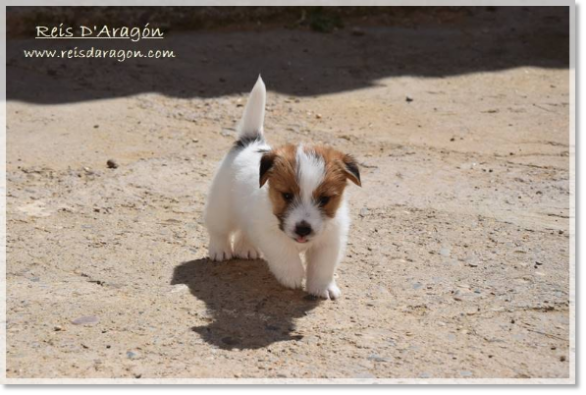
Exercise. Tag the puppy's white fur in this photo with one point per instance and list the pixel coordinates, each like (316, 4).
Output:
(238, 208)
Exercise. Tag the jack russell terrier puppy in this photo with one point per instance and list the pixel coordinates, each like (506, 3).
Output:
(281, 203)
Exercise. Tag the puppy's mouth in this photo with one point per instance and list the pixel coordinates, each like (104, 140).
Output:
(301, 239)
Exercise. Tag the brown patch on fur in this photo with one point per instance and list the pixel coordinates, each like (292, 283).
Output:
(282, 178)
(335, 178)
(279, 168)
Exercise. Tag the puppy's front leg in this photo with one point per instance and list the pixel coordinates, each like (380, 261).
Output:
(283, 260)
(322, 260)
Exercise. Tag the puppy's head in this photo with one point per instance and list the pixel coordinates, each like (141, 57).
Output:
(306, 186)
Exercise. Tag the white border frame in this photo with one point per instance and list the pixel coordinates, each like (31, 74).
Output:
(572, 71)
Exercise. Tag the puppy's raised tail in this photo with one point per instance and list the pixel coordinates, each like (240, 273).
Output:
(250, 127)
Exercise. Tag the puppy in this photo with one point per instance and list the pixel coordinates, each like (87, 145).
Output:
(281, 204)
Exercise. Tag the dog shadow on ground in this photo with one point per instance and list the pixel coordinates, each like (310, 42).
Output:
(249, 309)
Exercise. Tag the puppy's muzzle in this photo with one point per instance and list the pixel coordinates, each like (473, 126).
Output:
(302, 230)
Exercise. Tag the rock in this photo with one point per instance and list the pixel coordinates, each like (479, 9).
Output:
(465, 373)
(358, 32)
(35, 209)
(132, 354)
(471, 260)
(363, 211)
(112, 164)
(86, 320)
(179, 288)
(377, 358)
(445, 251)
(408, 99)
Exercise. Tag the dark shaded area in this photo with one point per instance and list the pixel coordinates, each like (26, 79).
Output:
(298, 62)
(22, 21)
(247, 307)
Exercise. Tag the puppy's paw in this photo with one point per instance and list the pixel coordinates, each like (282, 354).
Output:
(292, 277)
(220, 251)
(331, 291)
(245, 250)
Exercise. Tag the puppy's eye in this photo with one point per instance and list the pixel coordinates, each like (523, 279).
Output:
(323, 200)
(288, 197)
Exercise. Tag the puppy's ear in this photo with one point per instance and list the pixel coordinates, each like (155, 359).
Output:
(266, 164)
(351, 169)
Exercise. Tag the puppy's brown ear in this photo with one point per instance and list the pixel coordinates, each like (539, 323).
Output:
(351, 169)
(266, 164)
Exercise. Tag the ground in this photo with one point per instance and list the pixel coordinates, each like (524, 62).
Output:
(458, 256)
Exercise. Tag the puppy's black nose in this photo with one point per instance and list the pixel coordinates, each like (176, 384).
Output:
(302, 229)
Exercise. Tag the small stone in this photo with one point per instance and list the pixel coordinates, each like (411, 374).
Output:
(562, 358)
(132, 354)
(358, 32)
(363, 211)
(112, 164)
(179, 288)
(57, 328)
(86, 320)
(408, 99)
(445, 251)
(465, 373)
(377, 358)
(318, 116)
(96, 126)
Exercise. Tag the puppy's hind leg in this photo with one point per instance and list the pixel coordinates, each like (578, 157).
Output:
(218, 221)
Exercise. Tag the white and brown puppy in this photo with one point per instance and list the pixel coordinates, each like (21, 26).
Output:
(281, 204)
